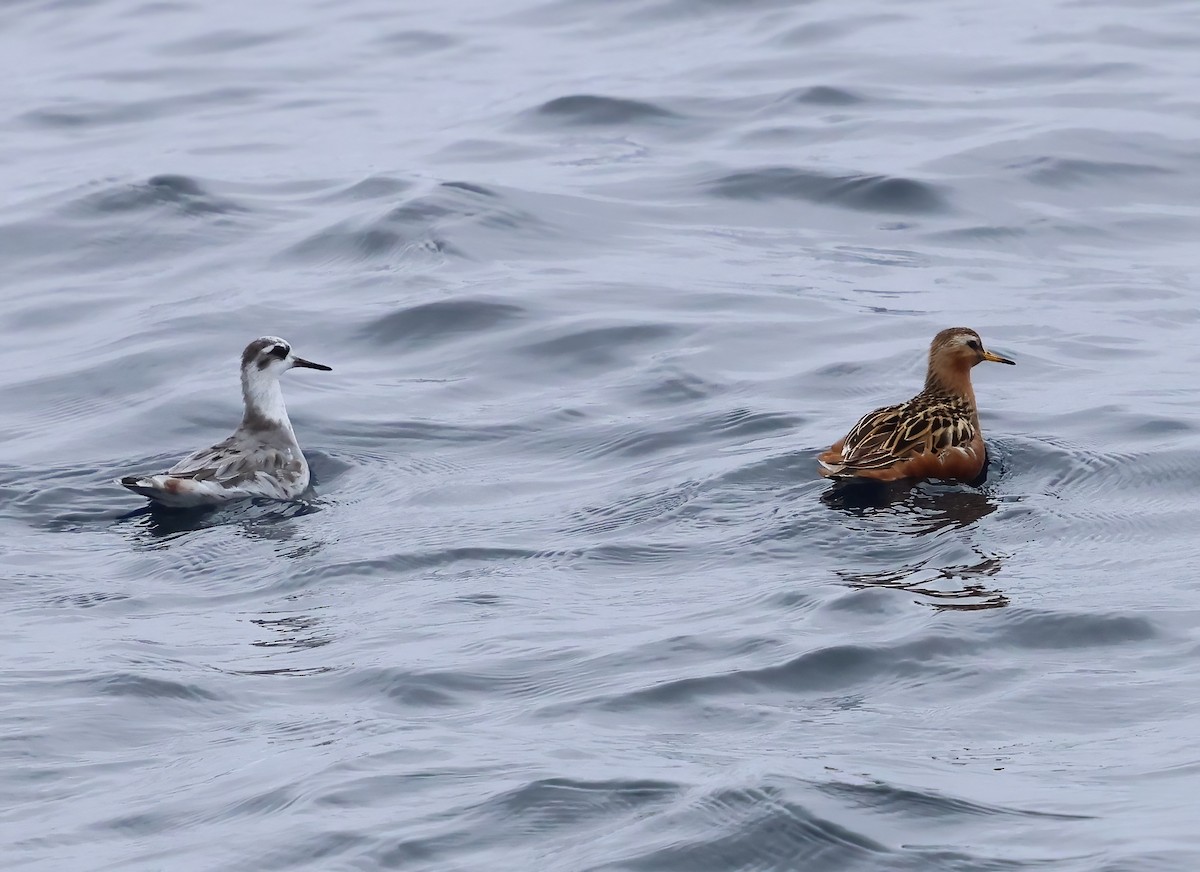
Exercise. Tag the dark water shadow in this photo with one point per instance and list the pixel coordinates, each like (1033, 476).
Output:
(258, 518)
(925, 509)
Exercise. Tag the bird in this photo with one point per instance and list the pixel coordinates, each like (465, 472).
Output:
(935, 435)
(261, 459)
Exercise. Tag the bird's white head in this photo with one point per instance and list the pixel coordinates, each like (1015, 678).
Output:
(263, 361)
(272, 356)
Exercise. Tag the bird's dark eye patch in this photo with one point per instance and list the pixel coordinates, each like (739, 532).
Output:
(280, 351)
(973, 345)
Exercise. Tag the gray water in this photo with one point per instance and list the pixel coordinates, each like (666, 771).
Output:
(598, 279)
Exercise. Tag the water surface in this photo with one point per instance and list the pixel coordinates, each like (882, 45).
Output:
(598, 280)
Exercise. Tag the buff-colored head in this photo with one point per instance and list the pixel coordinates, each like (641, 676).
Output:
(960, 348)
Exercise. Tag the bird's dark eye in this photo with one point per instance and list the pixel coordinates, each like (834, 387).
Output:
(280, 351)
(973, 345)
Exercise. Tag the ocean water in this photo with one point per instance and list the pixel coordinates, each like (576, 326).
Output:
(598, 279)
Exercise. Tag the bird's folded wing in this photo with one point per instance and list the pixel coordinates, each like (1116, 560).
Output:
(895, 433)
(231, 463)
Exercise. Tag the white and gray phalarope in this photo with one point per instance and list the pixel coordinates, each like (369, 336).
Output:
(261, 459)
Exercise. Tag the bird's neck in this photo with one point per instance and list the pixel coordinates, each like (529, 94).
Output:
(264, 403)
(950, 381)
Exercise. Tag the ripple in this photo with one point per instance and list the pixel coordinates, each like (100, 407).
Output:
(446, 222)
(372, 188)
(588, 109)
(148, 687)
(676, 387)
(403, 562)
(79, 114)
(822, 95)
(224, 40)
(757, 828)
(824, 32)
(552, 803)
(434, 689)
(874, 193)
(837, 668)
(180, 194)
(412, 42)
(441, 320)
(598, 347)
(631, 511)
(922, 805)
(1069, 172)
(1037, 630)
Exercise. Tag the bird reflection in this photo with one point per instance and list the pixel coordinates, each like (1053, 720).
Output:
(285, 632)
(291, 632)
(921, 511)
(257, 519)
(960, 587)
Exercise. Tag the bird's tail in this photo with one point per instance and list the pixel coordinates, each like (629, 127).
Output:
(169, 490)
(139, 485)
(833, 470)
